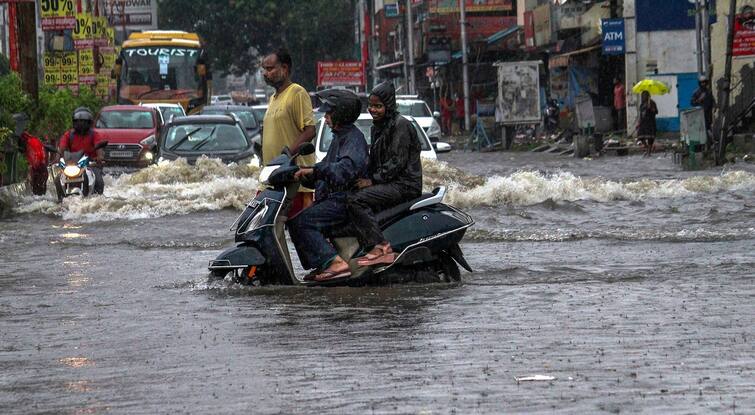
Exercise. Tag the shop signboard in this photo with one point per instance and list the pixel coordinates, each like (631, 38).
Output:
(657, 16)
(613, 36)
(57, 14)
(744, 35)
(69, 68)
(133, 14)
(340, 73)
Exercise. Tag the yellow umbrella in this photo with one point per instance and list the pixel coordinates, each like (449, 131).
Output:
(652, 86)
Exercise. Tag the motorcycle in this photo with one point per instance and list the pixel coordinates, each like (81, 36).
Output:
(424, 232)
(76, 178)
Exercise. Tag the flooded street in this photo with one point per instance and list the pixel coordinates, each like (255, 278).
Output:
(628, 281)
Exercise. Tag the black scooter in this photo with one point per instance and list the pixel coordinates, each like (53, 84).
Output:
(425, 232)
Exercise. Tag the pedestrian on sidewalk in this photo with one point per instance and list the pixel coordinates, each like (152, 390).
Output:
(459, 104)
(619, 105)
(703, 97)
(446, 111)
(646, 130)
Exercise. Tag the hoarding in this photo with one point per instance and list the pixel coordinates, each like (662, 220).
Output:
(340, 73)
(744, 35)
(656, 16)
(57, 14)
(472, 6)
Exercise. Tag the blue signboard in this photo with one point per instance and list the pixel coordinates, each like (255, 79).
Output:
(391, 10)
(662, 15)
(613, 36)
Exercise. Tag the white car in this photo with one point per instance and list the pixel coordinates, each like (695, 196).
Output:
(221, 99)
(325, 136)
(418, 109)
(166, 110)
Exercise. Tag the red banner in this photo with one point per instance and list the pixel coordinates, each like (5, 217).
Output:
(340, 73)
(744, 35)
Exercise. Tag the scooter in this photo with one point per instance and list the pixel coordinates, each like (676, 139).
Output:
(424, 232)
(76, 178)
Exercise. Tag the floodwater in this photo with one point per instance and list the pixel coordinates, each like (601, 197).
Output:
(627, 281)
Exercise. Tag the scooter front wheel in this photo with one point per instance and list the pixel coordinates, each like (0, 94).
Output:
(59, 189)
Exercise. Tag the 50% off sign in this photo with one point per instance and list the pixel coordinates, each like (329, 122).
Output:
(57, 14)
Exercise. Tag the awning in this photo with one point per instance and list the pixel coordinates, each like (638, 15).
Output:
(389, 65)
(503, 34)
(563, 59)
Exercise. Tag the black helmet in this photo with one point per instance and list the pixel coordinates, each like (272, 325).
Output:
(343, 105)
(83, 113)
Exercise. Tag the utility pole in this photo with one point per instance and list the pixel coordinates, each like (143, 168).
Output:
(26, 37)
(698, 37)
(706, 37)
(410, 47)
(374, 47)
(725, 89)
(464, 60)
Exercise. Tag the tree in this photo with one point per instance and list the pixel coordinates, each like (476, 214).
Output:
(239, 32)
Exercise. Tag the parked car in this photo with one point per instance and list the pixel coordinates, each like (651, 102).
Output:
(215, 136)
(418, 109)
(325, 136)
(131, 132)
(166, 109)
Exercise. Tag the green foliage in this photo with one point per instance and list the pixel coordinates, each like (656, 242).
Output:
(52, 116)
(4, 65)
(238, 32)
(13, 99)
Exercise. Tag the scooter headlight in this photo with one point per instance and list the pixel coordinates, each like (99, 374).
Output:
(72, 171)
(266, 172)
(257, 219)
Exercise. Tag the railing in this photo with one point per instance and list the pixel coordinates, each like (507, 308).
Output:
(743, 97)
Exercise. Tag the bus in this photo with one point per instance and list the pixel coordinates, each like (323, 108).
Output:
(163, 66)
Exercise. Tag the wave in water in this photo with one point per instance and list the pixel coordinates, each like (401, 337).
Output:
(566, 235)
(173, 188)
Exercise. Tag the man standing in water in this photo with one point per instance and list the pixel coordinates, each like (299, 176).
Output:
(289, 121)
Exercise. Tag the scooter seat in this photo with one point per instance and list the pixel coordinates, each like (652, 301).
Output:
(384, 217)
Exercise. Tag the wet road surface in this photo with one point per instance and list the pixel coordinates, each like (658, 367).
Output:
(628, 281)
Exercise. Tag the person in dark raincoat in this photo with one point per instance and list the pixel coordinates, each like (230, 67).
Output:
(646, 129)
(394, 174)
(333, 178)
(703, 97)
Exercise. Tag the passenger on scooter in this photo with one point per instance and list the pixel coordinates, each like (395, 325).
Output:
(83, 138)
(333, 178)
(394, 174)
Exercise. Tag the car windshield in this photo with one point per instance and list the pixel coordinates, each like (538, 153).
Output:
(414, 109)
(365, 126)
(171, 111)
(246, 116)
(205, 138)
(123, 120)
(259, 113)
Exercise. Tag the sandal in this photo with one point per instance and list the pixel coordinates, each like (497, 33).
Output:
(377, 251)
(385, 259)
(332, 275)
(311, 275)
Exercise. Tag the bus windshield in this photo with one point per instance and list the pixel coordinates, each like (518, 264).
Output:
(160, 72)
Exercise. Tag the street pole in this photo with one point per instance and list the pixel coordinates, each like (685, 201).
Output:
(698, 37)
(725, 89)
(27, 47)
(373, 43)
(465, 70)
(410, 46)
(706, 37)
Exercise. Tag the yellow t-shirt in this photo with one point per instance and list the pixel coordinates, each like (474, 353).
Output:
(287, 114)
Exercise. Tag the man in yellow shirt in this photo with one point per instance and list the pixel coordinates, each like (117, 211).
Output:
(289, 120)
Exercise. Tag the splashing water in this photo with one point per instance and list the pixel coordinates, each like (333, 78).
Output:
(175, 187)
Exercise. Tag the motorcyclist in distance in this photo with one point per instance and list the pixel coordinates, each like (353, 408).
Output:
(83, 138)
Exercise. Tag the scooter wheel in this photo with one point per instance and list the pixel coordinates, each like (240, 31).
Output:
(450, 269)
(59, 189)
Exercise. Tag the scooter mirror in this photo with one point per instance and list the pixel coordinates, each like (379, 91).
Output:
(101, 144)
(306, 149)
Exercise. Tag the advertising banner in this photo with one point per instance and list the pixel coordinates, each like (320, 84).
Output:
(86, 74)
(744, 35)
(340, 73)
(82, 33)
(69, 68)
(57, 14)
(613, 36)
(472, 6)
(52, 64)
(134, 14)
